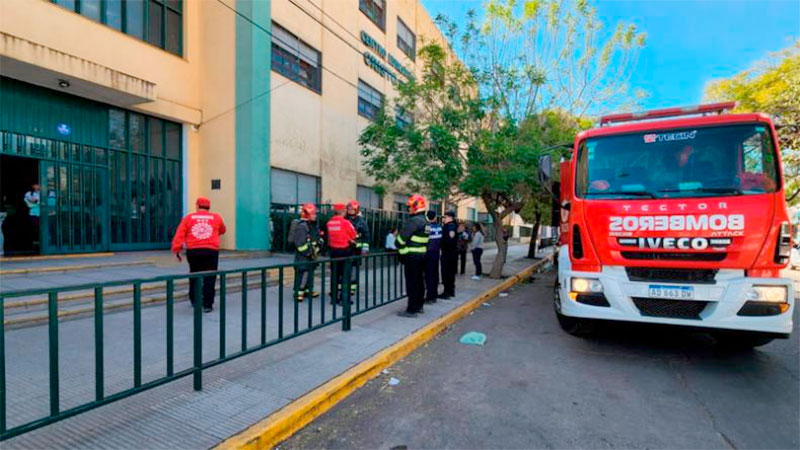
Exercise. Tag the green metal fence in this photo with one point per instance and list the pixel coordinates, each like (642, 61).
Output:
(378, 281)
(379, 221)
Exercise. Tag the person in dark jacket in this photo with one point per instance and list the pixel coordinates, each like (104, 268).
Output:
(449, 254)
(362, 241)
(307, 248)
(463, 244)
(432, 258)
(412, 244)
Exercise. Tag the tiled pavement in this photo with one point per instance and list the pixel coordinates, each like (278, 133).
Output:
(235, 394)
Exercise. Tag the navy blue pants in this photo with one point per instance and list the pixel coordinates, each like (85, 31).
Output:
(431, 276)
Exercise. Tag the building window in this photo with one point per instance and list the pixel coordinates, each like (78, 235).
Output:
(145, 183)
(437, 208)
(401, 202)
(375, 10)
(295, 59)
(406, 40)
(368, 198)
(292, 188)
(370, 101)
(159, 22)
(402, 117)
(472, 214)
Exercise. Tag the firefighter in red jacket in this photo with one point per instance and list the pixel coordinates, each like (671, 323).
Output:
(200, 232)
(341, 241)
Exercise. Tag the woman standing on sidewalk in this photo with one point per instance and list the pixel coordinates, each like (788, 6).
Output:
(476, 245)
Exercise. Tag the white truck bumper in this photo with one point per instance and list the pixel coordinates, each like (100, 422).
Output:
(723, 300)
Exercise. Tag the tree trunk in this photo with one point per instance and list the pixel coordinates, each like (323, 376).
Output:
(500, 258)
(533, 247)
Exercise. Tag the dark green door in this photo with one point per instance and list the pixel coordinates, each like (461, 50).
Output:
(74, 216)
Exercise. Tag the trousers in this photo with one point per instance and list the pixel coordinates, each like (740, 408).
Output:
(203, 260)
(414, 270)
(449, 267)
(431, 276)
(339, 276)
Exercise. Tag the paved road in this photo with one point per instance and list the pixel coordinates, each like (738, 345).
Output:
(533, 386)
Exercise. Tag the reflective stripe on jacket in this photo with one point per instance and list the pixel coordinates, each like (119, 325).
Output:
(362, 240)
(413, 238)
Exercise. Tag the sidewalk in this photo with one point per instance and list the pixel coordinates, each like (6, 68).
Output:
(235, 394)
(122, 266)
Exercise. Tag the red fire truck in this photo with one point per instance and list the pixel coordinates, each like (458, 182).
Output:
(675, 216)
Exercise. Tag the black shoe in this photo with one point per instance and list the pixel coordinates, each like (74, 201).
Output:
(406, 314)
(421, 311)
(430, 302)
(208, 309)
(447, 295)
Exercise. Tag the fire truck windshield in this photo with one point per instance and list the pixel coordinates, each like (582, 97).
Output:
(692, 162)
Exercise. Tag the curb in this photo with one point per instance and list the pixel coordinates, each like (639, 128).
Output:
(283, 423)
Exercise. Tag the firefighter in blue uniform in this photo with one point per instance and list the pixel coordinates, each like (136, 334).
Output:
(432, 257)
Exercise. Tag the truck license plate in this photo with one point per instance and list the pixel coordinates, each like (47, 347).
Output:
(671, 292)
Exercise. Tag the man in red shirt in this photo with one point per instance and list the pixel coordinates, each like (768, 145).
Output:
(200, 232)
(341, 240)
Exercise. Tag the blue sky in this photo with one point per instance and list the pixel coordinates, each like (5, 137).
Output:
(690, 42)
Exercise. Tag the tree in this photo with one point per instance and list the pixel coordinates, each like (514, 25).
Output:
(772, 87)
(479, 124)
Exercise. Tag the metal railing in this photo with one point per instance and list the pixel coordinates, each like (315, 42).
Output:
(262, 293)
(379, 222)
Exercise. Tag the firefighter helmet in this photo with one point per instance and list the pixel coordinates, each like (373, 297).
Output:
(308, 210)
(416, 203)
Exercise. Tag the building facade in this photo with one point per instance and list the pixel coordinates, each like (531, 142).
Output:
(124, 111)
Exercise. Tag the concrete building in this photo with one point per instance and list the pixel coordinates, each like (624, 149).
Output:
(124, 111)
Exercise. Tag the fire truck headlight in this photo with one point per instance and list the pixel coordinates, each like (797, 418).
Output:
(774, 294)
(585, 285)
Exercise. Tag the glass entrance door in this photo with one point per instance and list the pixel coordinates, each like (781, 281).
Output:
(74, 208)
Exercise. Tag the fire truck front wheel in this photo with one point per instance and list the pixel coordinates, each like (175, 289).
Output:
(741, 340)
(571, 325)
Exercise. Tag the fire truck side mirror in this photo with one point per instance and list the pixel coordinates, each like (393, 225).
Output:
(546, 171)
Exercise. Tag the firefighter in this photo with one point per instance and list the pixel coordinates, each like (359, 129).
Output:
(362, 241)
(412, 244)
(305, 239)
(449, 254)
(200, 232)
(432, 258)
(341, 241)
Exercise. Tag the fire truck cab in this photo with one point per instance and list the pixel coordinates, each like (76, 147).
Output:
(675, 216)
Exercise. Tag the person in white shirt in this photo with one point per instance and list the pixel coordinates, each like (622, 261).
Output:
(476, 245)
(34, 209)
(390, 240)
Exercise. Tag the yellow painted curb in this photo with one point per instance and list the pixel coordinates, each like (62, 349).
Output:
(285, 422)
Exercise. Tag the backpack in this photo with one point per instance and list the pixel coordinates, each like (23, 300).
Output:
(292, 230)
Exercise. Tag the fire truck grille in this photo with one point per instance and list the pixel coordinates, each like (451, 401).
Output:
(702, 276)
(675, 256)
(674, 309)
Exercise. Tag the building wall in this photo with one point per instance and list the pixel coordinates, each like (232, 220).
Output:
(317, 134)
(41, 42)
(239, 117)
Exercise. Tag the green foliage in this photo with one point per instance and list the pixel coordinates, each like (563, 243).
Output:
(527, 77)
(772, 87)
